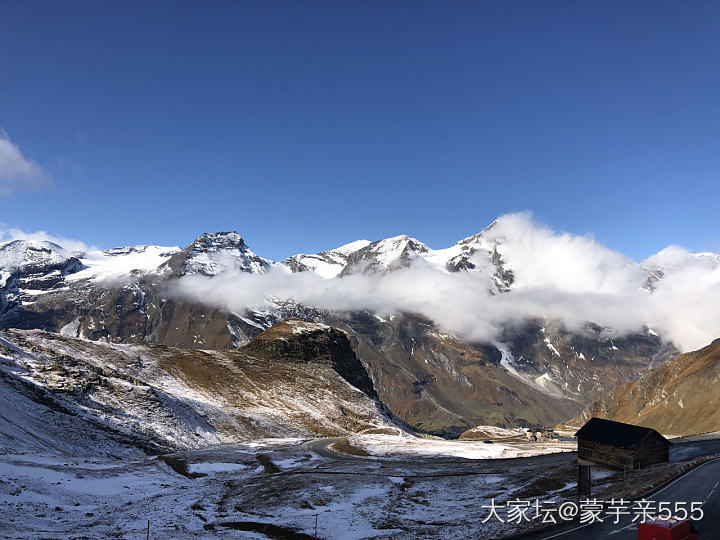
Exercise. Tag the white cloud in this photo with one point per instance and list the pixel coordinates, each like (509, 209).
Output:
(542, 258)
(687, 297)
(558, 276)
(17, 172)
(67, 243)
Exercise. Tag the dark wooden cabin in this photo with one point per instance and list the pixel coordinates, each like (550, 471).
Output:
(621, 446)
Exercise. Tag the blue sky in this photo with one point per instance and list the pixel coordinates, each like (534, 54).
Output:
(305, 125)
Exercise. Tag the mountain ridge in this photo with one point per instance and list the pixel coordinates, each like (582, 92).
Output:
(537, 372)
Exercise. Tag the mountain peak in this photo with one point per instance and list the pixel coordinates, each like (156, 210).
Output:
(398, 241)
(327, 264)
(385, 255)
(481, 237)
(31, 253)
(215, 253)
(220, 240)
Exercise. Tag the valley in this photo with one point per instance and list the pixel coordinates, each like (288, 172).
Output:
(131, 394)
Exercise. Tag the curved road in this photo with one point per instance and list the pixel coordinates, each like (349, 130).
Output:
(320, 447)
(679, 451)
(701, 485)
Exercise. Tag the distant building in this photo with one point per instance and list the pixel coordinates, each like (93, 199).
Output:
(620, 446)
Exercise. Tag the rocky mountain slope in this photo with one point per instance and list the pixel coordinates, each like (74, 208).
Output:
(296, 379)
(680, 397)
(213, 254)
(536, 372)
(327, 264)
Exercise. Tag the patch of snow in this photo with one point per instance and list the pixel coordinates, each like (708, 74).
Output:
(323, 268)
(250, 322)
(395, 446)
(4, 276)
(544, 385)
(328, 264)
(71, 328)
(507, 360)
(209, 467)
(494, 479)
(38, 292)
(440, 257)
(352, 247)
(301, 327)
(120, 262)
(496, 432)
(551, 346)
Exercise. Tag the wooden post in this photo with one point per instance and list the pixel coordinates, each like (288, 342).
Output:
(624, 485)
(584, 481)
(147, 536)
(316, 521)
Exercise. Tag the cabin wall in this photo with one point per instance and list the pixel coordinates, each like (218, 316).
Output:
(653, 450)
(605, 454)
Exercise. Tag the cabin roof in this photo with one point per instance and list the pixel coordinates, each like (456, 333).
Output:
(615, 433)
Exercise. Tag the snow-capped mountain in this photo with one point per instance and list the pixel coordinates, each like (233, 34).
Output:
(385, 255)
(327, 264)
(537, 372)
(29, 255)
(213, 254)
(30, 267)
(477, 253)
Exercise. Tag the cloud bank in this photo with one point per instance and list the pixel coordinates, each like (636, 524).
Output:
(557, 276)
(17, 172)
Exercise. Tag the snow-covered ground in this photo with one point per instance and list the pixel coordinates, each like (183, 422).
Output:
(394, 446)
(236, 490)
(79, 421)
(495, 432)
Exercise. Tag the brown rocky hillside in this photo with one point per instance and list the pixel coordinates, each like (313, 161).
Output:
(297, 379)
(680, 397)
